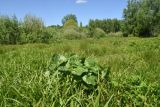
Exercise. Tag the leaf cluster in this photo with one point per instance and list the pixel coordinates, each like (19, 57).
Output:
(83, 70)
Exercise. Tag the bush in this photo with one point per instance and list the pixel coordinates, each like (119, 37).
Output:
(70, 24)
(73, 34)
(115, 34)
(33, 30)
(9, 30)
(45, 37)
(71, 30)
(99, 33)
(29, 31)
(125, 34)
(32, 24)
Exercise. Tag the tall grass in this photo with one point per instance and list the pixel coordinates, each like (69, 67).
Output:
(134, 77)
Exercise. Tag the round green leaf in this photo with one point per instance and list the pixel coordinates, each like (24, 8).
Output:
(58, 59)
(79, 71)
(90, 79)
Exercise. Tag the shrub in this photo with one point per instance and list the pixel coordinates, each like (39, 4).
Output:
(115, 34)
(71, 30)
(125, 34)
(45, 37)
(70, 24)
(98, 33)
(32, 24)
(32, 29)
(73, 34)
(29, 31)
(9, 30)
(54, 34)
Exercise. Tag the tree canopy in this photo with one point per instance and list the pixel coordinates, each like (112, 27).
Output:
(108, 25)
(142, 18)
(68, 17)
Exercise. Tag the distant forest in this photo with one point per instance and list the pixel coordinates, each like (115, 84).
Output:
(141, 18)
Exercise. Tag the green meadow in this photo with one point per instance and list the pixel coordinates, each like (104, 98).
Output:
(134, 77)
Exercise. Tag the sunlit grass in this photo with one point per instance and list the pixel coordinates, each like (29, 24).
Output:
(23, 83)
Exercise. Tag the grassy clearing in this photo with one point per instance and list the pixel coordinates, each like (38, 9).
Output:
(134, 77)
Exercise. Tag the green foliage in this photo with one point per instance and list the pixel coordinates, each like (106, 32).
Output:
(45, 36)
(96, 33)
(9, 30)
(134, 89)
(70, 24)
(107, 25)
(33, 30)
(54, 34)
(80, 69)
(30, 30)
(81, 25)
(120, 34)
(32, 24)
(72, 31)
(99, 33)
(69, 17)
(142, 18)
(73, 34)
(134, 77)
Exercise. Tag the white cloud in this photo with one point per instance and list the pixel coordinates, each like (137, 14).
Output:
(81, 1)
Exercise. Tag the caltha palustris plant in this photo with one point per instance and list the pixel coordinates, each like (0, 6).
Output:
(84, 71)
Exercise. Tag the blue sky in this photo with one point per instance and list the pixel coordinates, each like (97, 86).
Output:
(52, 11)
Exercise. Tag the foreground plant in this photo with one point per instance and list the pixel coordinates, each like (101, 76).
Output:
(83, 70)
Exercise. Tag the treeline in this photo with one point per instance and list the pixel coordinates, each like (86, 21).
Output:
(33, 30)
(140, 18)
(107, 25)
(30, 30)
